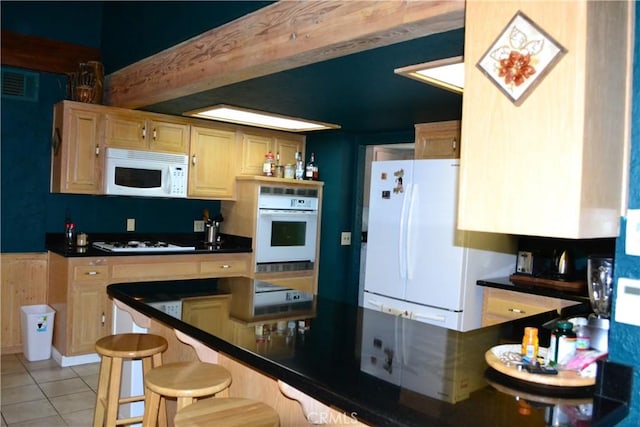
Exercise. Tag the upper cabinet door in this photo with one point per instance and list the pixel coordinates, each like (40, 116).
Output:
(77, 158)
(168, 136)
(438, 140)
(254, 148)
(125, 131)
(556, 165)
(139, 131)
(212, 167)
(288, 146)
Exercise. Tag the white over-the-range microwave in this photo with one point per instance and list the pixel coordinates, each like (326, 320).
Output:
(145, 173)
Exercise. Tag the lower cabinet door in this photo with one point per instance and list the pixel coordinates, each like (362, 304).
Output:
(91, 317)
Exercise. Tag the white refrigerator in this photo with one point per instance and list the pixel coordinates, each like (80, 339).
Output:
(418, 265)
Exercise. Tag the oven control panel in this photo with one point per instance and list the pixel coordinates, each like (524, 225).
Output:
(287, 202)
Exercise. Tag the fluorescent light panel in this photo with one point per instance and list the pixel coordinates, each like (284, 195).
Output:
(231, 114)
(445, 73)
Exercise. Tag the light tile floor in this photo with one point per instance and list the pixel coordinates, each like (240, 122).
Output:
(42, 394)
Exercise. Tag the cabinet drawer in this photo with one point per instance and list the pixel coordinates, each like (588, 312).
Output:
(154, 271)
(513, 309)
(222, 268)
(91, 273)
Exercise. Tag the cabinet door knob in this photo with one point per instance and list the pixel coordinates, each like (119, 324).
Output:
(454, 144)
(92, 273)
(102, 318)
(155, 134)
(225, 266)
(144, 132)
(193, 160)
(97, 150)
(517, 310)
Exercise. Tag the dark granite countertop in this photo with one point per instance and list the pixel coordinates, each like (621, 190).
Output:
(54, 242)
(506, 284)
(386, 370)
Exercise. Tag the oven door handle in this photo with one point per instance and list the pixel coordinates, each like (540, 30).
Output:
(288, 212)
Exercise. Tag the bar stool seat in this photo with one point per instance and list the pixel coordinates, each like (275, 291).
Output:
(114, 349)
(185, 381)
(227, 412)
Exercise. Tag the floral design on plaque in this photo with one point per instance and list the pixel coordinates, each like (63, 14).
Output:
(520, 57)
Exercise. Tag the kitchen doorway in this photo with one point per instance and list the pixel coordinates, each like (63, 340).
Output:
(401, 151)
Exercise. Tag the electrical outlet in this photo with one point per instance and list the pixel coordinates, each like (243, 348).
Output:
(131, 224)
(198, 225)
(345, 238)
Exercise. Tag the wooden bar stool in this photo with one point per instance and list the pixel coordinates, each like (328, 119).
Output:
(114, 349)
(186, 381)
(227, 412)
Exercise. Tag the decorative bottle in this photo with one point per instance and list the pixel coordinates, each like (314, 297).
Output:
(309, 170)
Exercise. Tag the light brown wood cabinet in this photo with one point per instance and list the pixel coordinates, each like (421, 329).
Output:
(217, 152)
(212, 168)
(500, 305)
(241, 219)
(77, 294)
(256, 143)
(210, 314)
(556, 165)
(24, 282)
(77, 289)
(438, 140)
(77, 153)
(147, 132)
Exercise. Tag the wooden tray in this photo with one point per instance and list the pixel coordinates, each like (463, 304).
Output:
(495, 356)
(576, 286)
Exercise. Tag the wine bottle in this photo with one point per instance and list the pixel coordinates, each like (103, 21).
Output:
(308, 173)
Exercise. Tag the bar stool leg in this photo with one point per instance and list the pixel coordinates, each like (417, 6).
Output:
(147, 365)
(101, 395)
(114, 389)
(184, 401)
(152, 403)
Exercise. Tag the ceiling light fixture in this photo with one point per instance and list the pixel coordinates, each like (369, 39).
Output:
(245, 116)
(446, 73)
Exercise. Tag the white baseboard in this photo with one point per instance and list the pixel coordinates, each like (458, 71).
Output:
(66, 361)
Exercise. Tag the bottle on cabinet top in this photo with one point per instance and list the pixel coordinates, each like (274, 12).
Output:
(311, 170)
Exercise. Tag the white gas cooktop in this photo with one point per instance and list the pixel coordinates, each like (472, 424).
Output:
(141, 246)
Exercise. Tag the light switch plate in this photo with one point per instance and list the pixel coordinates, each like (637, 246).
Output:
(628, 301)
(632, 240)
(131, 224)
(198, 225)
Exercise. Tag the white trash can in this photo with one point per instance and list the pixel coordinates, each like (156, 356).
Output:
(37, 331)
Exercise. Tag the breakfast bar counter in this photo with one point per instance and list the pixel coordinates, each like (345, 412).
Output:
(375, 368)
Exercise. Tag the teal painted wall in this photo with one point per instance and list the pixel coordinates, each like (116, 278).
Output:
(625, 339)
(28, 209)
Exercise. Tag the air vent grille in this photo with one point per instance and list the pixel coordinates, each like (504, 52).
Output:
(20, 84)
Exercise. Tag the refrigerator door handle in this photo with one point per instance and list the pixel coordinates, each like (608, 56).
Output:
(402, 241)
(434, 317)
(409, 261)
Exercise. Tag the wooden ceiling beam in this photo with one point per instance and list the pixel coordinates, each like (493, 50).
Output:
(45, 55)
(281, 36)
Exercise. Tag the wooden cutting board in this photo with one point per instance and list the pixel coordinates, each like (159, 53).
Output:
(563, 379)
(575, 286)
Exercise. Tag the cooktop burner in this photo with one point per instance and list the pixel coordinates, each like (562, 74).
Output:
(141, 246)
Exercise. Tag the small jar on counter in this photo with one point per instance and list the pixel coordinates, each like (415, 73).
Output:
(268, 166)
(563, 344)
(289, 171)
(530, 344)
